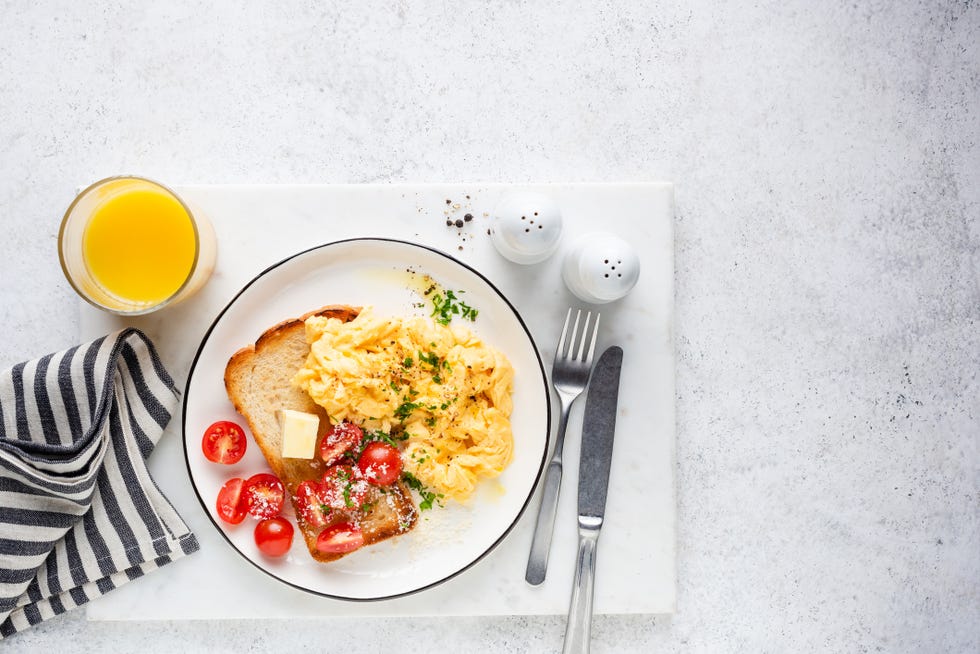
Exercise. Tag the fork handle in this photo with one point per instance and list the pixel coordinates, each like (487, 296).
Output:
(537, 560)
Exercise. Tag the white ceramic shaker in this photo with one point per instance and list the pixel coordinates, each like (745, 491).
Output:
(526, 227)
(600, 268)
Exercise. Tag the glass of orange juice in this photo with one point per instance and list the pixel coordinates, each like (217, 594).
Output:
(130, 245)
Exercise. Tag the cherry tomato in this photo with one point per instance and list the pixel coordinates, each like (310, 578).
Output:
(224, 442)
(380, 463)
(343, 488)
(273, 536)
(264, 495)
(342, 437)
(309, 505)
(340, 539)
(230, 505)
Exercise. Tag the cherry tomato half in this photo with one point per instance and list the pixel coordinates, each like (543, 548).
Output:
(343, 488)
(380, 463)
(273, 536)
(263, 494)
(342, 437)
(340, 539)
(230, 506)
(310, 507)
(224, 442)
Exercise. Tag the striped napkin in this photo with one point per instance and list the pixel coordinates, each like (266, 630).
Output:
(79, 512)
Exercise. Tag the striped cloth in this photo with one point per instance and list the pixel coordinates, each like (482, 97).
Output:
(79, 513)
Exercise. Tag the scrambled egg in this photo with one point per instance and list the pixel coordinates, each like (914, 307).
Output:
(442, 389)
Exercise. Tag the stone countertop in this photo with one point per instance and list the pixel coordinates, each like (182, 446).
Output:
(826, 157)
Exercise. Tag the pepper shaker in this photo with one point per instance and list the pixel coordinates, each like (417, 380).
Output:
(526, 227)
(600, 268)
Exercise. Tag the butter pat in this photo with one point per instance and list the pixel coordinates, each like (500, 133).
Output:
(298, 433)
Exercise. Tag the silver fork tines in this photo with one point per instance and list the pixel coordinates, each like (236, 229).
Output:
(569, 376)
(585, 329)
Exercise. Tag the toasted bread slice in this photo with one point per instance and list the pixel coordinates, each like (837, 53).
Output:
(258, 379)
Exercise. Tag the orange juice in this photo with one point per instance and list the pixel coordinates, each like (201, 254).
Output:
(140, 245)
(130, 246)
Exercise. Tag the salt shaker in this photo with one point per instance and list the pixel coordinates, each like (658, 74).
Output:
(600, 268)
(526, 227)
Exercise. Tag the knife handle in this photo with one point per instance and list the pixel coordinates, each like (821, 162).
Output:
(578, 630)
(537, 560)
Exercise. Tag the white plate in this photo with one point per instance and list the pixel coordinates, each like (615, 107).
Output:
(363, 272)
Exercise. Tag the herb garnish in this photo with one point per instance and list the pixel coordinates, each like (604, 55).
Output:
(405, 409)
(436, 364)
(429, 498)
(444, 308)
(378, 435)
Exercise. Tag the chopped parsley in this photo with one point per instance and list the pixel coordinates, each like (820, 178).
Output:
(406, 408)
(429, 498)
(407, 363)
(436, 364)
(388, 439)
(444, 308)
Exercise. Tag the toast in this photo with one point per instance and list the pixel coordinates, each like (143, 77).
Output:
(258, 379)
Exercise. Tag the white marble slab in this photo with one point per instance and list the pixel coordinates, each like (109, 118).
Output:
(259, 225)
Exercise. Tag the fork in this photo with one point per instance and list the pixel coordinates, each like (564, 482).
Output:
(569, 376)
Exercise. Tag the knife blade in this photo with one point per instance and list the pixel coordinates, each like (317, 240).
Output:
(598, 432)
(598, 429)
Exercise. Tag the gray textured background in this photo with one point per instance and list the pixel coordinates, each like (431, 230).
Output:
(827, 165)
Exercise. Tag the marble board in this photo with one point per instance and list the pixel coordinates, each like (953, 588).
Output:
(258, 226)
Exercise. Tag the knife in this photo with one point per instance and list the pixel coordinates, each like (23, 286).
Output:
(598, 429)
